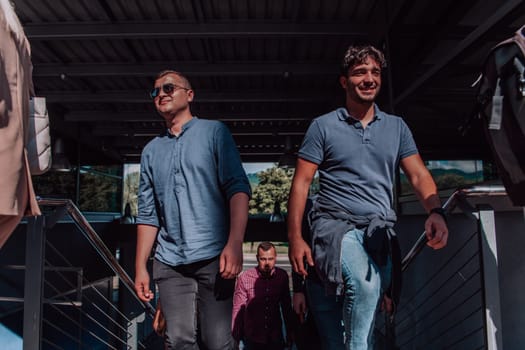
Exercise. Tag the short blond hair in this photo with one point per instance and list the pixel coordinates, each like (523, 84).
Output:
(185, 80)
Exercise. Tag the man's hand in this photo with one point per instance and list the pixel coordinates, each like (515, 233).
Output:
(230, 264)
(299, 305)
(436, 230)
(142, 285)
(387, 305)
(298, 251)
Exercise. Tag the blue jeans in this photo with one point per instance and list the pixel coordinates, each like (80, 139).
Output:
(363, 284)
(327, 311)
(197, 305)
(347, 321)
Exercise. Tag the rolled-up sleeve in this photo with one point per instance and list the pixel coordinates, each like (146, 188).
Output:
(232, 177)
(147, 210)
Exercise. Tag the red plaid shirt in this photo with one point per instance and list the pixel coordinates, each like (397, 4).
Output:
(257, 304)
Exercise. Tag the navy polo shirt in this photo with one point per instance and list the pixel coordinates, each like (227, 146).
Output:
(357, 165)
(186, 182)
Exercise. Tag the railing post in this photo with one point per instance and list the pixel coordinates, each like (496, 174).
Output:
(133, 329)
(34, 282)
(490, 277)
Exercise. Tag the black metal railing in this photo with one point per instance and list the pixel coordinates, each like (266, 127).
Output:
(70, 288)
(450, 301)
(63, 309)
(451, 203)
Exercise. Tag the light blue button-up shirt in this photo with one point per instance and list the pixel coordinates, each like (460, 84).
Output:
(186, 182)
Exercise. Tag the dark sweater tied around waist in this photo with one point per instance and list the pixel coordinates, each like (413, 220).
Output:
(329, 224)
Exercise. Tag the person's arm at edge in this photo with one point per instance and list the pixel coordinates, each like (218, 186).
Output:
(146, 235)
(288, 313)
(298, 296)
(426, 191)
(231, 256)
(298, 248)
(240, 299)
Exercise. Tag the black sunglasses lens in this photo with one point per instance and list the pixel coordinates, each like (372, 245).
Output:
(168, 88)
(155, 92)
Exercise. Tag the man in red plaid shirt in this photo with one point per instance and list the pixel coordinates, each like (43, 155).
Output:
(260, 295)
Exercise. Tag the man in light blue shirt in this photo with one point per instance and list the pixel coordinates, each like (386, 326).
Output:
(193, 200)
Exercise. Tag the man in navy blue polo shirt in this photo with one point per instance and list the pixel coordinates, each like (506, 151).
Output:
(193, 200)
(356, 150)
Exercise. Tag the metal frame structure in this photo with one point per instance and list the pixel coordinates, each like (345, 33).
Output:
(36, 232)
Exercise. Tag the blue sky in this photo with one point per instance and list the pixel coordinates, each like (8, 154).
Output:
(251, 168)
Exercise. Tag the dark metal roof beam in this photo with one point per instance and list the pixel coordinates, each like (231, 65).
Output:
(190, 69)
(108, 116)
(385, 16)
(86, 140)
(373, 30)
(151, 132)
(200, 96)
(174, 30)
(503, 11)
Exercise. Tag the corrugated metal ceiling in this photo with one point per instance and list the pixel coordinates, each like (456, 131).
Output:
(264, 67)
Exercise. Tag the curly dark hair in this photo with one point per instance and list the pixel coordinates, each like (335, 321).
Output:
(357, 54)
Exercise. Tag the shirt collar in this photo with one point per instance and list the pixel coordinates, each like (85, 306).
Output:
(343, 115)
(185, 127)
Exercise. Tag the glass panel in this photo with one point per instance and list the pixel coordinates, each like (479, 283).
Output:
(54, 184)
(270, 185)
(100, 188)
(131, 188)
(450, 174)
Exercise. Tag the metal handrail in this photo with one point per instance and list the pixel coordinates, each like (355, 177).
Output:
(450, 204)
(96, 242)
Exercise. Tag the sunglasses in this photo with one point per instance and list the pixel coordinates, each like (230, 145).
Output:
(167, 88)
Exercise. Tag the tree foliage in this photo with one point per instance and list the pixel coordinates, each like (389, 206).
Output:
(99, 193)
(99, 190)
(274, 186)
(131, 190)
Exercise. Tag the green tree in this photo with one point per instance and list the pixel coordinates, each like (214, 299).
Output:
(100, 189)
(274, 186)
(450, 180)
(55, 184)
(131, 190)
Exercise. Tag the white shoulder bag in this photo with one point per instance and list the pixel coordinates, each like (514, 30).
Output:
(39, 139)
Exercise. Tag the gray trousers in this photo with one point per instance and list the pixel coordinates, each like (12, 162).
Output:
(197, 305)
